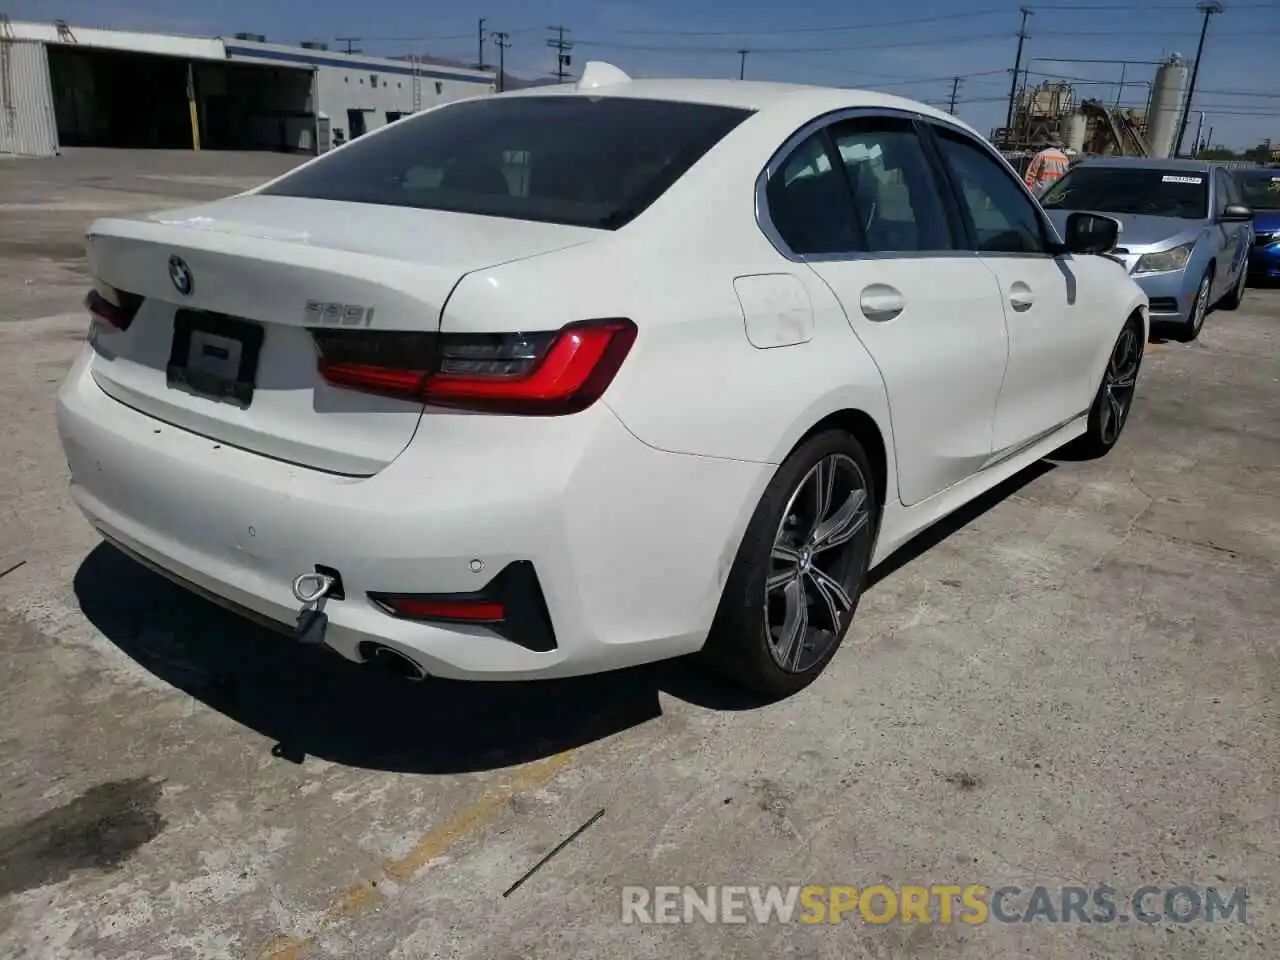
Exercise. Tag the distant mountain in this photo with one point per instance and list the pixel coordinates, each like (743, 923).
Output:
(522, 83)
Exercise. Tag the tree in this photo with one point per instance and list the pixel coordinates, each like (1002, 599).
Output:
(1261, 153)
(1216, 152)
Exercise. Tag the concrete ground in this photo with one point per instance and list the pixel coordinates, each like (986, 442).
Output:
(1075, 682)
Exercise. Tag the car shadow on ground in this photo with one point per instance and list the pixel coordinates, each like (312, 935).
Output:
(311, 702)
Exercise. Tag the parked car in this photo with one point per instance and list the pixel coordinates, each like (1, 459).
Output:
(714, 351)
(1260, 190)
(1185, 233)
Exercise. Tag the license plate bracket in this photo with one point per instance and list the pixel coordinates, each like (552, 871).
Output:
(214, 355)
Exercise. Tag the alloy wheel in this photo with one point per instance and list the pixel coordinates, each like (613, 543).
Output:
(1119, 384)
(818, 559)
(1202, 304)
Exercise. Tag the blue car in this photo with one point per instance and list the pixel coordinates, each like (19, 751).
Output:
(1261, 190)
(1185, 233)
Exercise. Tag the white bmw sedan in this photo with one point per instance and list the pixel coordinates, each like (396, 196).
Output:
(568, 379)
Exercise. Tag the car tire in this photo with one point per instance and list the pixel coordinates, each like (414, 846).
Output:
(1114, 399)
(795, 583)
(1194, 323)
(1233, 299)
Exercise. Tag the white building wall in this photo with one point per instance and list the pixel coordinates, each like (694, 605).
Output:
(27, 123)
(378, 89)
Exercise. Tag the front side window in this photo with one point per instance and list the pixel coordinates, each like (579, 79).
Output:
(584, 161)
(894, 188)
(1003, 218)
(809, 202)
(1147, 191)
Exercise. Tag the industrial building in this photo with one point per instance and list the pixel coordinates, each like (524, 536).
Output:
(1089, 126)
(64, 86)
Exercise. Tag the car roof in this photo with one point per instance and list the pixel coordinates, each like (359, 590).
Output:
(1149, 163)
(756, 95)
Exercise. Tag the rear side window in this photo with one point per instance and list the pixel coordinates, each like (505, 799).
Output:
(809, 202)
(584, 161)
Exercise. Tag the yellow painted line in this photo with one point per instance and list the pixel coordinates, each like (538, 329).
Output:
(352, 901)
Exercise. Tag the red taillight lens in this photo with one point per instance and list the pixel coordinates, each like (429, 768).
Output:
(116, 308)
(418, 608)
(520, 373)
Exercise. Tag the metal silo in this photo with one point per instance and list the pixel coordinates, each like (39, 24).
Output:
(1166, 105)
(1075, 127)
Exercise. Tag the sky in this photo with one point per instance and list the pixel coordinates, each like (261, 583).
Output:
(913, 50)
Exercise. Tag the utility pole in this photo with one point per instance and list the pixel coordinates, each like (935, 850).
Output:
(1208, 8)
(955, 87)
(349, 41)
(1208, 141)
(742, 64)
(1199, 130)
(480, 40)
(502, 40)
(561, 46)
(1017, 65)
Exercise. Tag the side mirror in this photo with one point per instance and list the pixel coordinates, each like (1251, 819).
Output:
(1236, 213)
(1091, 233)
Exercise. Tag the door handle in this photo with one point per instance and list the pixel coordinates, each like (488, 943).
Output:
(881, 302)
(1021, 297)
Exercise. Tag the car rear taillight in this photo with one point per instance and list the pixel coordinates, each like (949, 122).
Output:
(510, 605)
(464, 611)
(522, 373)
(116, 308)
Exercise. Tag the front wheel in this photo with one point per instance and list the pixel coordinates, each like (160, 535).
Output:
(1194, 323)
(1114, 400)
(795, 583)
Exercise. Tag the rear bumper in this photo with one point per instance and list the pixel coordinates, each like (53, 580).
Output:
(630, 544)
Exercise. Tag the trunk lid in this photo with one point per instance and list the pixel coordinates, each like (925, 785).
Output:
(262, 272)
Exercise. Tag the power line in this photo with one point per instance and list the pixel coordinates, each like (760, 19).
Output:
(967, 15)
(1143, 6)
(1180, 35)
(962, 76)
(666, 48)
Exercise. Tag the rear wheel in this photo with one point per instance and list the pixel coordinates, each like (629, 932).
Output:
(1233, 299)
(795, 583)
(1114, 400)
(1194, 323)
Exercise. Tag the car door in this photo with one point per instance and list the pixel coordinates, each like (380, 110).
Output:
(928, 313)
(1051, 303)
(1233, 239)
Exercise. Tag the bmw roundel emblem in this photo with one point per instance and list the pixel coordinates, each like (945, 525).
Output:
(180, 274)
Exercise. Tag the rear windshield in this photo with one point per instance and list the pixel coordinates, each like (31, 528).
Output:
(1153, 193)
(585, 161)
(1260, 189)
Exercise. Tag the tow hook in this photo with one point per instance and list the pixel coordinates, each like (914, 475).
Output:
(312, 590)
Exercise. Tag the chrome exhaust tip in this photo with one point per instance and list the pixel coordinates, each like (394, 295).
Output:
(391, 661)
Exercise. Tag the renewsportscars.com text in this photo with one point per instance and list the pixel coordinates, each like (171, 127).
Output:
(940, 903)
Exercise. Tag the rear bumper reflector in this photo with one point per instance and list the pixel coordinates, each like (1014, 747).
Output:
(511, 605)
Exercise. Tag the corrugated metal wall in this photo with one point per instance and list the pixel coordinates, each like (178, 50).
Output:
(27, 123)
